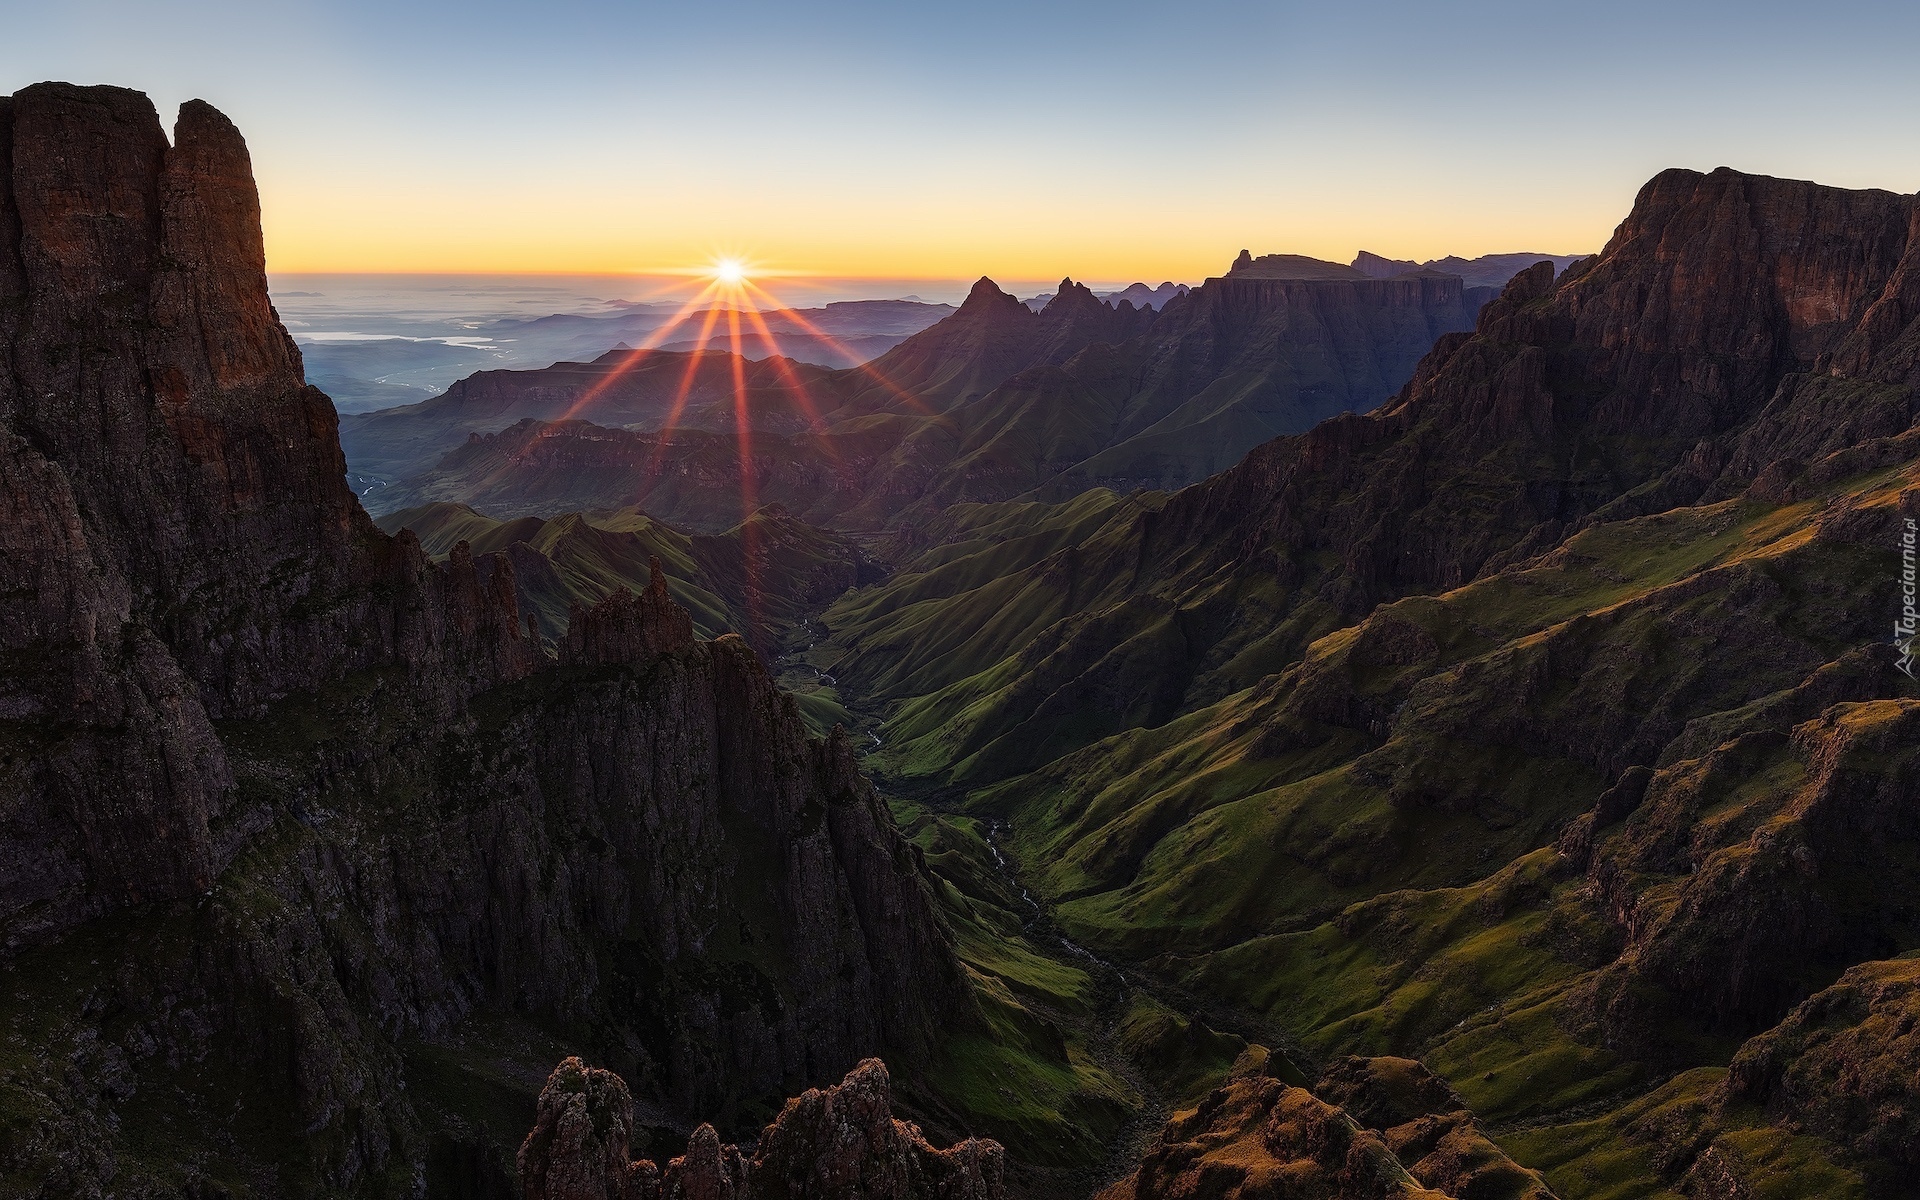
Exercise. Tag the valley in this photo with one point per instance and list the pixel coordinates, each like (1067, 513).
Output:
(1482, 759)
(1353, 754)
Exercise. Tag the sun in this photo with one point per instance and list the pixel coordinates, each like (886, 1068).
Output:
(729, 271)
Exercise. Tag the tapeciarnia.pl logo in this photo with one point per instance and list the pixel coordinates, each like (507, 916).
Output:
(1904, 628)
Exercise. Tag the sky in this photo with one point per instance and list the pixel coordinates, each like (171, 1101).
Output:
(1108, 141)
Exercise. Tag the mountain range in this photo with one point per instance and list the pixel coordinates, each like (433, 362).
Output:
(1488, 270)
(1498, 787)
(993, 402)
(1139, 295)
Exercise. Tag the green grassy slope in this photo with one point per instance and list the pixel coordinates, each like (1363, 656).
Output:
(1413, 840)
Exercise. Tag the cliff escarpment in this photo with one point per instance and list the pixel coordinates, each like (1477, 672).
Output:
(306, 835)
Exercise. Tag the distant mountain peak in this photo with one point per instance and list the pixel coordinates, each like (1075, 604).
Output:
(1142, 296)
(1072, 296)
(1381, 267)
(986, 297)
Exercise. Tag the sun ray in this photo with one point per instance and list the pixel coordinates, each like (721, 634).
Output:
(742, 419)
(694, 358)
(640, 354)
(865, 368)
(784, 365)
(743, 429)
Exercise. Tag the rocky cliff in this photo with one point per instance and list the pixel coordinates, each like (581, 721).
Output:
(303, 830)
(837, 1143)
(1252, 354)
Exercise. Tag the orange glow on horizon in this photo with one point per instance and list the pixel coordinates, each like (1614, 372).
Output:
(321, 228)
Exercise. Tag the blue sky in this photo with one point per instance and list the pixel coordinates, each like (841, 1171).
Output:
(1110, 140)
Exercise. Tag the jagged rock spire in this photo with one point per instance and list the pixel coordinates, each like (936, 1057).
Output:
(630, 629)
(840, 1143)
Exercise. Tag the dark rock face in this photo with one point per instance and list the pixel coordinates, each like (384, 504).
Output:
(283, 795)
(184, 548)
(840, 1142)
(1427, 1127)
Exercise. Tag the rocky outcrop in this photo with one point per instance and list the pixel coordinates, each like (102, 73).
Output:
(625, 628)
(1841, 1065)
(1428, 1128)
(286, 800)
(1257, 1138)
(840, 1143)
(1371, 1129)
(1772, 903)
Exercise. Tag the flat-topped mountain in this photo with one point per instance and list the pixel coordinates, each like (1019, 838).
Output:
(1289, 266)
